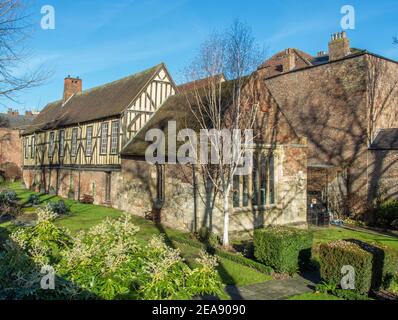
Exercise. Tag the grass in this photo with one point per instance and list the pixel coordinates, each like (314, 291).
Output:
(84, 216)
(322, 235)
(314, 296)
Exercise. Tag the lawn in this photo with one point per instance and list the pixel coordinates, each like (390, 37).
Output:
(322, 235)
(84, 216)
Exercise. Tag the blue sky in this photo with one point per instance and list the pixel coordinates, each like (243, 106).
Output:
(104, 40)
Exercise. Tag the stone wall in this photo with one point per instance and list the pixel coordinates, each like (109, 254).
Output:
(134, 190)
(383, 174)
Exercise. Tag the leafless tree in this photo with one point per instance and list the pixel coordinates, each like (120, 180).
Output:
(395, 40)
(224, 105)
(14, 30)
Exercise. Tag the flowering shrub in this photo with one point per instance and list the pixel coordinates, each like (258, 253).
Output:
(105, 262)
(9, 204)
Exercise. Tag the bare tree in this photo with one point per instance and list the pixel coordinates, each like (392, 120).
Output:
(395, 40)
(14, 30)
(222, 105)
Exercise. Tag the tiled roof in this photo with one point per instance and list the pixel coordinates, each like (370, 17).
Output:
(201, 83)
(101, 102)
(14, 121)
(180, 108)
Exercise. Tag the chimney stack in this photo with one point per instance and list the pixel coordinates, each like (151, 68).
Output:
(339, 46)
(321, 54)
(72, 86)
(289, 60)
(12, 112)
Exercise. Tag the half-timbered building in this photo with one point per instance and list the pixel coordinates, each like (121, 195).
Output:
(73, 146)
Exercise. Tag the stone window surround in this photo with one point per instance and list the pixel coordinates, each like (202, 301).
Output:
(259, 207)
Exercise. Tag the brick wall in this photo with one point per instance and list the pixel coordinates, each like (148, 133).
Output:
(10, 152)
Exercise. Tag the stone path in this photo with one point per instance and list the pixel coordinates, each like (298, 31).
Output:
(274, 289)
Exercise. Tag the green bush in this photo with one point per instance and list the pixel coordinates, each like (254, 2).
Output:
(374, 266)
(226, 255)
(105, 262)
(34, 199)
(8, 197)
(9, 204)
(387, 213)
(284, 249)
(59, 207)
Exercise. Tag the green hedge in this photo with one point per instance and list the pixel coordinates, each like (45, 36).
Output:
(226, 255)
(285, 249)
(374, 266)
(387, 213)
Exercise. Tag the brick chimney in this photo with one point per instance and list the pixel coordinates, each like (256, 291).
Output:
(72, 86)
(339, 46)
(289, 60)
(12, 112)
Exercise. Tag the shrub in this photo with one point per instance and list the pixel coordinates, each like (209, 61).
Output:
(284, 249)
(105, 262)
(387, 213)
(59, 207)
(206, 236)
(8, 197)
(34, 199)
(226, 255)
(8, 204)
(374, 266)
(87, 199)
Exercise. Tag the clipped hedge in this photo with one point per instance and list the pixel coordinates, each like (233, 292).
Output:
(226, 255)
(374, 266)
(285, 249)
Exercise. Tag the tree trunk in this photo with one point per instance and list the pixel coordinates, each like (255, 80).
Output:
(226, 217)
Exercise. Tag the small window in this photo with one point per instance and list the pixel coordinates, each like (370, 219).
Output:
(74, 143)
(51, 147)
(115, 137)
(236, 192)
(26, 147)
(108, 182)
(264, 181)
(245, 191)
(62, 143)
(89, 141)
(271, 180)
(104, 137)
(33, 147)
(255, 184)
(160, 184)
